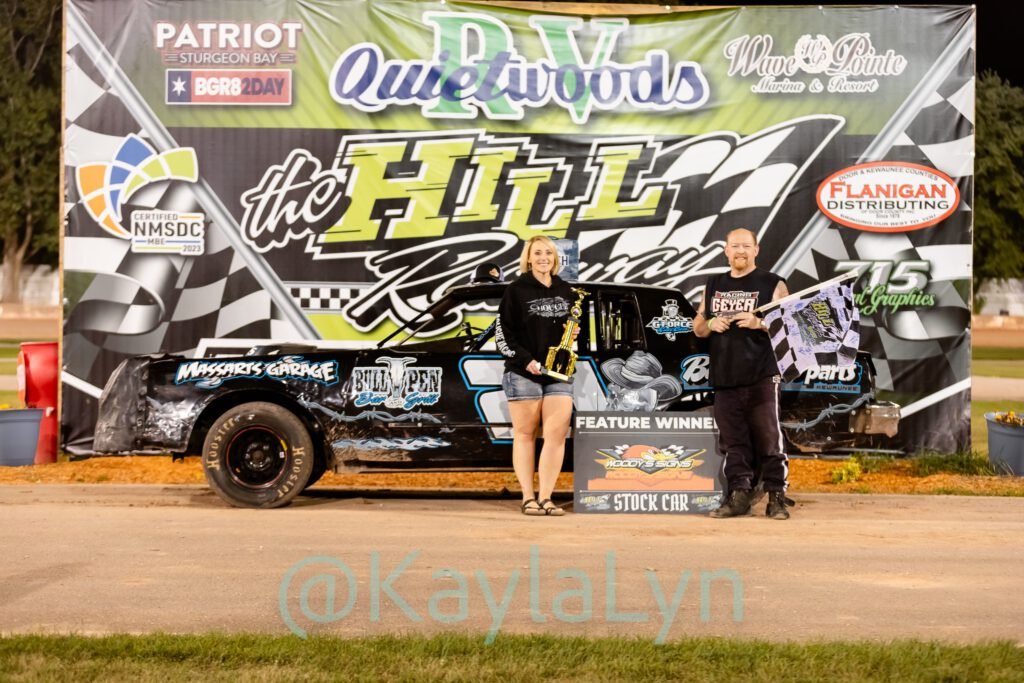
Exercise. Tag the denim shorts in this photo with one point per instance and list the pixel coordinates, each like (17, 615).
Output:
(519, 388)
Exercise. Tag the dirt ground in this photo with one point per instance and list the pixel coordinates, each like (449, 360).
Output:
(806, 476)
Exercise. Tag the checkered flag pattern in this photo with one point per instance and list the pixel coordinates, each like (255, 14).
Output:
(819, 328)
(324, 297)
(918, 348)
(720, 181)
(135, 303)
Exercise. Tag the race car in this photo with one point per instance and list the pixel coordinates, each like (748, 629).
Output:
(270, 422)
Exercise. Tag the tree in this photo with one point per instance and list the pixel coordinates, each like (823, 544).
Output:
(999, 181)
(30, 71)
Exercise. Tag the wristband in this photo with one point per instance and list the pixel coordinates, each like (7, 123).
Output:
(713, 318)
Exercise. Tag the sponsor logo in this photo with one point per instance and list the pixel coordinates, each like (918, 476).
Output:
(209, 374)
(476, 67)
(817, 323)
(706, 503)
(552, 307)
(670, 323)
(891, 285)
(601, 501)
(650, 459)
(106, 187)
(836, 379)
(850, 64)
(229, 86)
(396, 385)
(888, 196)
(728, 304)
(696, 372)
(227, 43)
(168, 232)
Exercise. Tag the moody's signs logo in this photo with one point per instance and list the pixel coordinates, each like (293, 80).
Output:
(476, 67)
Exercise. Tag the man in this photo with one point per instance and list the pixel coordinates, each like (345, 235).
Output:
(745, 377)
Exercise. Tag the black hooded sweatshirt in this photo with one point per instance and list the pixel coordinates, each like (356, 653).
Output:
(531, 319)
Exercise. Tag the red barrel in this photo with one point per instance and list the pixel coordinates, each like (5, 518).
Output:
(38, 373)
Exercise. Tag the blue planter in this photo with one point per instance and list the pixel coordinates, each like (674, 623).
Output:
(19, 435)
(1005, 446)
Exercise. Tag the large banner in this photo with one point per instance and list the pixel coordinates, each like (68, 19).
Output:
(322, 169)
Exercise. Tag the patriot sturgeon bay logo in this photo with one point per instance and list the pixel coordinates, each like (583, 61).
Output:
(106, 187)
(396, 385)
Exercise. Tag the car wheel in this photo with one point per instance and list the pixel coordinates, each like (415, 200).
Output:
(319, 470)
(258, 455)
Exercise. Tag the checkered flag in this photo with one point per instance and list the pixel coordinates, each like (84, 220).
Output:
(124, 303)
(814, 328)
(720, 181)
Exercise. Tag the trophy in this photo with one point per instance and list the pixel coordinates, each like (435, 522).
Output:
(561, 360)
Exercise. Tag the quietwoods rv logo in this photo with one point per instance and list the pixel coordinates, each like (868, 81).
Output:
(476, 67)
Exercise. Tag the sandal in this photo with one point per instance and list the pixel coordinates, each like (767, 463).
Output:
(535, 511)
(550, 508)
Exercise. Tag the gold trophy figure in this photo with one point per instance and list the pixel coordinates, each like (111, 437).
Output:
(561, 360)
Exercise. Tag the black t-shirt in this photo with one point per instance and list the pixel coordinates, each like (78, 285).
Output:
(739, 357)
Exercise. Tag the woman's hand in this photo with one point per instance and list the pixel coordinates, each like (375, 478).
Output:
(533, 367)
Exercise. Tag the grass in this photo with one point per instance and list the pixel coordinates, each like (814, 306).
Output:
(996, 353)
(449, 657)
(998, 368)
(965, 462)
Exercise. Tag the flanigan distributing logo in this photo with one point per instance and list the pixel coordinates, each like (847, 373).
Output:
(477, 66)
(105, 189)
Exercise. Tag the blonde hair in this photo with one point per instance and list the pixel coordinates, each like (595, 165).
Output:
(524, 260)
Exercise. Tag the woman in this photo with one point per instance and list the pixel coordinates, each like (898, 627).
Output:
(531, 319)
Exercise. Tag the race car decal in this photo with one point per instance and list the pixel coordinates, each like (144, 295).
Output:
(670, 323)
(396, 385)
(209, 374)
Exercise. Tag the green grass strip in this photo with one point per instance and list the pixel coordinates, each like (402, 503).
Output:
(998, 368)
(449, 657)
(996, 353)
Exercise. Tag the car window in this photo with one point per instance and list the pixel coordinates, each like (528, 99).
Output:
(619, 319)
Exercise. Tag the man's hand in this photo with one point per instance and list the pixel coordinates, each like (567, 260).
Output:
(747, 320)
(719, 325)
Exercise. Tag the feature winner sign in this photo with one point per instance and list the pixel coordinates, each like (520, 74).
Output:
(663, 463)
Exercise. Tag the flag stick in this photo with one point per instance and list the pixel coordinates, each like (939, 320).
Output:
(813, 288)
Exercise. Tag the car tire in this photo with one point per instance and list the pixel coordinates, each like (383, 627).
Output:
(319, 470)
(258, 455)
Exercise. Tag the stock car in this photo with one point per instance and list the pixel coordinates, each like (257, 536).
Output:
(271, 422)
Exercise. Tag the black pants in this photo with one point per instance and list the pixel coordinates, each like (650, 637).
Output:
(750, 437)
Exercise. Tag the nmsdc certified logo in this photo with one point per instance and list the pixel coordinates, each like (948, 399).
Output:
(105, 189)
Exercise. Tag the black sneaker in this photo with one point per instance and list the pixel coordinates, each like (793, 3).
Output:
(738, 505)
(777, 505)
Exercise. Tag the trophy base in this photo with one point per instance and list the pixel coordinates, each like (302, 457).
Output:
(554, 373)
